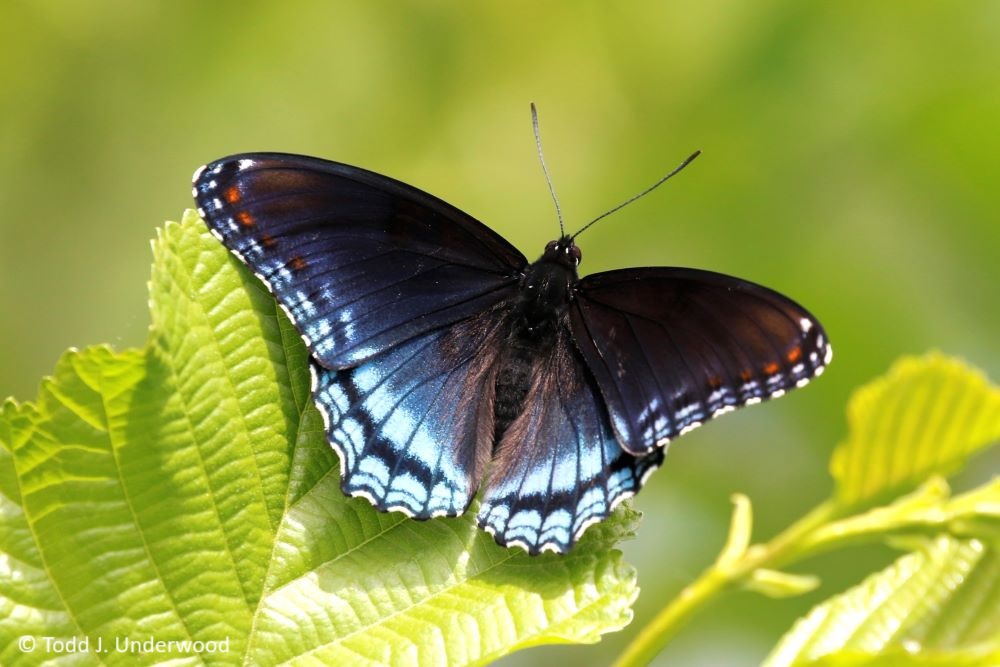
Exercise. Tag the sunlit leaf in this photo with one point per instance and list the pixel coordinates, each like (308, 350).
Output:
(29, 603)
(925, 512)
(185, 492)
(776, 584)
(937, 604)
(926, 416)
(740, 531)
(976, 512)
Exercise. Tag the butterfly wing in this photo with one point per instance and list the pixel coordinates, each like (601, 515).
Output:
(558, 468)
(413, 427)
(361, 262)
(671, 348)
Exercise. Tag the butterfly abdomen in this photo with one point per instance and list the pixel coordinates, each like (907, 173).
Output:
(513, 381)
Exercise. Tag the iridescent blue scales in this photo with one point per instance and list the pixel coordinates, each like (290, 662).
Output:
(446, 365)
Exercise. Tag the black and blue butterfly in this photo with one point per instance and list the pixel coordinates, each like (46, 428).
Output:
(444, 363)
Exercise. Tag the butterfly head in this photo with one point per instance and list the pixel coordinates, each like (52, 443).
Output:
(563, 251)
(547, 283)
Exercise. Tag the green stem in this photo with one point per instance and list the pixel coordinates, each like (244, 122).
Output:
(658, 633)
(716, 579)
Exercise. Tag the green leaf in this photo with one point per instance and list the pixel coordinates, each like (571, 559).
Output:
(185, 492)
(925, 417)
(926, 512)
(740, 532)
(29, 603)
(976, 513)
(936, 606)
(776, 584)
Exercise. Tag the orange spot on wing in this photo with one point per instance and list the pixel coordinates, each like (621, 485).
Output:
(298, 263)
(746, 375)
(715, 382)
(245, 219)
(794, 354)
(771, 368)
(232, 195)
(268, 241)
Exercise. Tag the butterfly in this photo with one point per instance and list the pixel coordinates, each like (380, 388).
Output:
(445, 364)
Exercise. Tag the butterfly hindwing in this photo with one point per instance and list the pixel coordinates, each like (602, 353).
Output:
(360, 261)
(671, 348)
(413, 427)
(558, 468)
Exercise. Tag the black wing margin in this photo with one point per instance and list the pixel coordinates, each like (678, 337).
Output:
(360, 261)
(671, 348)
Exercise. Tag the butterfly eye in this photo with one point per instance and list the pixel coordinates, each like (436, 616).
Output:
(575, 253)
(551, 245)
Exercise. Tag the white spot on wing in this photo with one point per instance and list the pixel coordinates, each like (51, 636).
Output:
(690, 427)
(585, 525)
(618, 501)
(518, 543)
(313, 380)
(651, 469)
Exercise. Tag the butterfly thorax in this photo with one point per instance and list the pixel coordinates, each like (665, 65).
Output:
(546, 288)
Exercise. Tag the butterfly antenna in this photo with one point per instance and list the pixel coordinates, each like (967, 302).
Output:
(645, 192)
(545, 170)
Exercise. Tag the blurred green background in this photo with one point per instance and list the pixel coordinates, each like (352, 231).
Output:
(851, 154)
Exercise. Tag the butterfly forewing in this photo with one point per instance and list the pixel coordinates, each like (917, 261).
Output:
(360, 261)
(671, 348)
